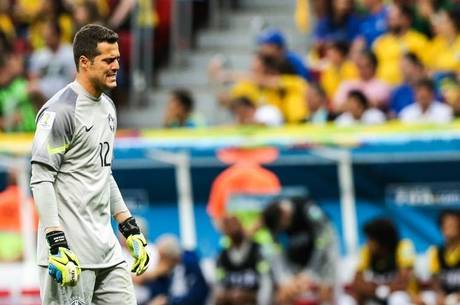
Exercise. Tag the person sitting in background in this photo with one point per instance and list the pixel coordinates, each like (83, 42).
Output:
(341, 23)
(17, 110)
(450, 92)
(444, 263)
(374, 22)
(338, 68)
(242, 273)
(376, 91)
(388, 47)
(385, 270)
(268, 84)
(444, 49)
(180, 111)
(272, 43)
(177, 278)
(358, 111)
(245, 112)
(426, 109)
(317, 103)
(53, 66)
(304, 268)
(412, 70)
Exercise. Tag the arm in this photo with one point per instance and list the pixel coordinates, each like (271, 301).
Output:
(63, 264)
(361, 287)
(45, 199)
(118, 207)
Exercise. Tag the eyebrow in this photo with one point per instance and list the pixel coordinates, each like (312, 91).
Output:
(111, 58)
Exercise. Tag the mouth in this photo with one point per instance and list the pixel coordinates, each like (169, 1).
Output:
(112, 77)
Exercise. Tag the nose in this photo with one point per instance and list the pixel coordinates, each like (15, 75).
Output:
(115, 65)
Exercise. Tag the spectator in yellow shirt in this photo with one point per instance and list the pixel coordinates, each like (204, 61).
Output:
(337, 68)
(444, 263)
(385, 270)
(444, 49)
(266, 84)
(400, 39)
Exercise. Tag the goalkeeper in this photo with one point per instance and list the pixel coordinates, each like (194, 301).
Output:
(80, 259)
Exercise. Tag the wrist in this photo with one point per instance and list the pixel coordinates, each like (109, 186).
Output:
(129, 227)
(56, 239)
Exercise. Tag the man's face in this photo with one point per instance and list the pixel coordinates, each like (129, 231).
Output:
(103, 69)
(355, 108)
(423, 96)
(369, 4)
(408, 69)
(451, 227)
(373, 246)
(51, 37)
(365, 68)
(244, 114)
(271, 50)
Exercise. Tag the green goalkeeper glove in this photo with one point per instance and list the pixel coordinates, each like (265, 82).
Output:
(63, 264)
(136, 243)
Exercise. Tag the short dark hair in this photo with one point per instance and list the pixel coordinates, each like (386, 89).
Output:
(271, 217)
(88, 37)
(413, 59)
(406, 11)
(426, 83)
(360, 97)
(371, 57)
(243, 101)
(383, 231)
(341, 46)
(184, 97)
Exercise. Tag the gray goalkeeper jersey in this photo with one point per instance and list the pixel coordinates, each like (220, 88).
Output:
(75, 135)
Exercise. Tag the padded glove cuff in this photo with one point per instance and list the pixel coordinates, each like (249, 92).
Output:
(129, 227)
(55, 240)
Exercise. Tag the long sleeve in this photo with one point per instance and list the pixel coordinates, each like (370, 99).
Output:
(43, 191)
(117, 204)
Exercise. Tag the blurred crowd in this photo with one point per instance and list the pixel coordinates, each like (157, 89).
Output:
(289, 256)
(370, 61)
(36, 57)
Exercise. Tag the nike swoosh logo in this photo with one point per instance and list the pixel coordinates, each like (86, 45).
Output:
(87, 129)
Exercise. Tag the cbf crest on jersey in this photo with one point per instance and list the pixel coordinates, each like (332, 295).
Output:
(111, 122)
(77, 301)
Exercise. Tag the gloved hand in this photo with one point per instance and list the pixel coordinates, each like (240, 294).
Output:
(63, 264)
(136, 244)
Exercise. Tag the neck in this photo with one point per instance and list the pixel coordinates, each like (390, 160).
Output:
(425, 107)
(86, 84)
(376, 8)
(453, 243)
(450, 37)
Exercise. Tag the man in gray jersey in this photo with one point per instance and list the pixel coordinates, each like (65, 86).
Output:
(73, 187)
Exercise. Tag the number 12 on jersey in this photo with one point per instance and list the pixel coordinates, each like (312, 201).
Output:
(104, 149)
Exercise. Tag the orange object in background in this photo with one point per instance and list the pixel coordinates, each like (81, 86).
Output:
(245, 176)
(10, 210)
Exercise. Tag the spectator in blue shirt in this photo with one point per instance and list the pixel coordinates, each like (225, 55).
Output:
(272, 43)
(339, 24)
(403, 95)
(177, 279)
(374, 22)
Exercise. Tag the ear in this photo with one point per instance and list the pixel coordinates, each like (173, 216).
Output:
(84, 62)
